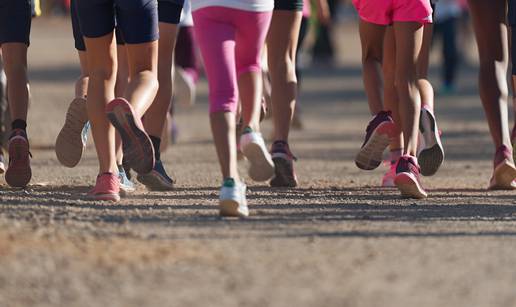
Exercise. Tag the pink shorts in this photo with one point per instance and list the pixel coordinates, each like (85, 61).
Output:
(385, 12)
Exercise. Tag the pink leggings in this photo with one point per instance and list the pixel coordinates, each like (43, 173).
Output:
(231, 41)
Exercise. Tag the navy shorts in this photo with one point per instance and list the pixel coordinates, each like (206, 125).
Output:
(136, 19)
(15, 20)
(169, 11)
(511, 21)
(288, 5)
(77, 33)
(511, 14)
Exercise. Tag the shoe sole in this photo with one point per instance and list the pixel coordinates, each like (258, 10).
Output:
(409, 186)
(370, 155)
(18, 173)
(230, 208)
(136, 144)
(154, 183)
(504, 176)
(69, 143)
(431, 158)
(105, 197)
(261, 167)
(284, 174)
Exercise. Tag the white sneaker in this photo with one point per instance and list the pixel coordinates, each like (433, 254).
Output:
(253, 146)
(232, 200)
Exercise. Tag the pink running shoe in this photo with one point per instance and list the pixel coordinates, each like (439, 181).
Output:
(107, 188)
(18, 172)
(504, 172)
(378, 135)
(407, 178)
(136, 144)
(388, 178)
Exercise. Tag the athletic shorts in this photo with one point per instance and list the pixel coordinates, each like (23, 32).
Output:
(511, 14)
(511, 21)
(77, 34)
(288, 5)
(169, 11)
(15, 21)
(137, 19)
(385, 12)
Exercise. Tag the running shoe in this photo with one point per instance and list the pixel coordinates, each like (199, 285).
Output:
(2, 161)
(107, 187)
(407, 178)
(184, 87)
(388, 178)
(378, 134)
(431, 155)
(126, 185)
(18, 173)
(232, 199)
(157, 179)
(261, 167)
(283, 165)
(71, 140)
(504, 173)
(136, 144)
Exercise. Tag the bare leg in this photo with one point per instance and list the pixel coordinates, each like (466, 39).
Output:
(425, 88)
(122, 79)
(491, 33)
(143, 71)
(15, 65)
(250, 89)
(101, 56)
(122, 73)
(282, 43)
(81, 85)
(371, 39)
(156, 114)
(409, 37)
(389, 92)
(223, 129)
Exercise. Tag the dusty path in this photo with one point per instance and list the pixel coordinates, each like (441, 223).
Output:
(338, 240)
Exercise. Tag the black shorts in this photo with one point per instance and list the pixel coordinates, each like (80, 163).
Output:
(15, 21)
(511, 14)
(288, 5)
(137, 19)
(511, 21)
(169, 11)
(77, 33)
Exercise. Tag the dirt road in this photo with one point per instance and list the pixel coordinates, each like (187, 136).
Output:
(338, 240)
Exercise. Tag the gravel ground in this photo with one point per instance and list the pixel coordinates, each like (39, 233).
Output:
(338, 240)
